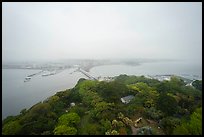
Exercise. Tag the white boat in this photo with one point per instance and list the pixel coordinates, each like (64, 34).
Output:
(49, 73)
(27, 79)
(45, 74)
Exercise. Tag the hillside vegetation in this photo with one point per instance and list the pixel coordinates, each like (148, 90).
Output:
(95, 108)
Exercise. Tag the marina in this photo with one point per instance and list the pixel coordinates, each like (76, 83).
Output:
(38, 87)
(28, 78)
(49, 73)
(45, 73)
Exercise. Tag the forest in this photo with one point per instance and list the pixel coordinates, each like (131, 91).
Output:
(95, 108)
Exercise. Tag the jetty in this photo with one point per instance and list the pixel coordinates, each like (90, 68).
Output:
(28, 78)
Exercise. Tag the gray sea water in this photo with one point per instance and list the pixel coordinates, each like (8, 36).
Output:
(17, 94)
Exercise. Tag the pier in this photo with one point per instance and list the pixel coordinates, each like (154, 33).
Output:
(28, 78)
(34, 74)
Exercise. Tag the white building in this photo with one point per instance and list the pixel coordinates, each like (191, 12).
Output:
(72, 104)
(127, 99)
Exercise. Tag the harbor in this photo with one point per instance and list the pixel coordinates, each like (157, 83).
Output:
(28, 78)
(44, 73)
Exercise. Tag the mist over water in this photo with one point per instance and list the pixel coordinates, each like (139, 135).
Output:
(23, 95)
(106, 39)
(54, 31)
(155, 68)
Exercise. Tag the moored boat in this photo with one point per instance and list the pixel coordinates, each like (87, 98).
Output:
(27, 79)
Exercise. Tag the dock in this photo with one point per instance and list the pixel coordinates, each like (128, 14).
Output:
(35, 74)
(28, 78)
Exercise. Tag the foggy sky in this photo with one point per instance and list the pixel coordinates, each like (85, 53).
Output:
(47, 31)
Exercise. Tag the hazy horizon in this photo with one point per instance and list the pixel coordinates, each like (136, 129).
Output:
(56, 31)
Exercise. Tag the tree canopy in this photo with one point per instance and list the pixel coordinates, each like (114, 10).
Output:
(162, 107)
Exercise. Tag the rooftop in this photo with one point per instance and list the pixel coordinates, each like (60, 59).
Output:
(127, 99)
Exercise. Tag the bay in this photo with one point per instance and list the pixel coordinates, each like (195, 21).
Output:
(151, 68)
(17, 94)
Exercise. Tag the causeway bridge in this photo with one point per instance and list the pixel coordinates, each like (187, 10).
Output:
(86, 74)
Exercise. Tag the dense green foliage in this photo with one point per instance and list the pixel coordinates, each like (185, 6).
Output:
(197, 84)
(192, 126)
(64, 130)
(167, 104)
(167, 107)
(69, 119)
